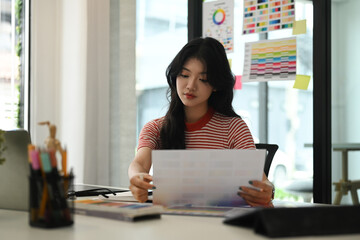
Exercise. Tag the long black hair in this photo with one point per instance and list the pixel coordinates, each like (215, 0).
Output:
(212, 54)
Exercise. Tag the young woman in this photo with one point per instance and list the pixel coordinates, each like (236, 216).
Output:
(200, 116)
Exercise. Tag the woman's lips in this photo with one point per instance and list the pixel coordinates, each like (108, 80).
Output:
(189, 96)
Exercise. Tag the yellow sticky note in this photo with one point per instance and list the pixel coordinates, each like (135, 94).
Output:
(299, 27)
(302, 82)
(230, 62)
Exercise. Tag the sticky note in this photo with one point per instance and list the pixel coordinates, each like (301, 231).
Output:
(230, 62)
(302, 82)
(238, 84)
(299, 27)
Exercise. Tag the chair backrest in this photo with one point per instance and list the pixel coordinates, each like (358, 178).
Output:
(271, 150)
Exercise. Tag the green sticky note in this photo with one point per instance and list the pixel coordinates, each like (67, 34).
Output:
(299, 27)
(230, 62)
(302, 82)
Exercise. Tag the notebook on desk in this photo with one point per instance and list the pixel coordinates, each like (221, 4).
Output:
(14, 172)
(204, 177)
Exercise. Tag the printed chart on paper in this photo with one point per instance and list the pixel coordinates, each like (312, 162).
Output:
(262, 16)
(270, 60)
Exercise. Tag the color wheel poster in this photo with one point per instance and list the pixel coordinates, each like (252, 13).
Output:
(270, 60)
(218, 22)
(267, 15)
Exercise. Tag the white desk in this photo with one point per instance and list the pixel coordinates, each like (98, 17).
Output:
(14, 225)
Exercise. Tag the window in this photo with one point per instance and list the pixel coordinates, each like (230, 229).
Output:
(12, 64)
(289, 121)
(289, 111)
(161, 32)
(290, 118)
(345, 92)
(158, 38)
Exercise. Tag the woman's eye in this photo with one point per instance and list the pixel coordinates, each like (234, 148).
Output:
(204, 80)
(184, 76)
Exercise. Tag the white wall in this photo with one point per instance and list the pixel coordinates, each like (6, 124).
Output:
(345, 84)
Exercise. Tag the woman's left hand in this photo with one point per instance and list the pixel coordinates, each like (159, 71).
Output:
(260, 197)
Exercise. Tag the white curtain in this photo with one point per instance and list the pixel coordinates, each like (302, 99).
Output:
(83, 80)
(97, 128)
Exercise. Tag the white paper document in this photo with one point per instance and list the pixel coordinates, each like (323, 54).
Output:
(204, 177)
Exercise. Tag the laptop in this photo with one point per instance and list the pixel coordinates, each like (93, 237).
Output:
(14, 172)
(204, 177)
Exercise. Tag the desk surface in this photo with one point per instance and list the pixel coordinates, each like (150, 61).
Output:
(346, 146)
(340, 146)
(14, 225)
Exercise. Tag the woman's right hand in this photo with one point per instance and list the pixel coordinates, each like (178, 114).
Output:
(139, 186)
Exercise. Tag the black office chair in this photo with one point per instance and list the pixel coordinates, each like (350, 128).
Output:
(271, 150)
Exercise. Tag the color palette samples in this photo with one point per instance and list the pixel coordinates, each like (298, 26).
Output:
(267, 15)
(218, 22)
(219, 16)
(270, 60)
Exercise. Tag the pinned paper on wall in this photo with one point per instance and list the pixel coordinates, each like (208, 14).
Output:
(230, 62)
(238, 83)
(270, 60)
(262, 16)
(218, 22)
(302, 82)
(299, 27)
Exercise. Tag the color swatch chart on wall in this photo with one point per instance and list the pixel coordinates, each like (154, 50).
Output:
(270, 60)
(267, 15)
(218, 22)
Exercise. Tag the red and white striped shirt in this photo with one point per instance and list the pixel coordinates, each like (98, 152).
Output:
(212, 131)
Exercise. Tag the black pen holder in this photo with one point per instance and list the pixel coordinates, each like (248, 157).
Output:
(49, 205)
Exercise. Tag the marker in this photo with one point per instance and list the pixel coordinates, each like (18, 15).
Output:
(30, 148)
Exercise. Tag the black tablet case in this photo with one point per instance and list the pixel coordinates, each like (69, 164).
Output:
(300, 221)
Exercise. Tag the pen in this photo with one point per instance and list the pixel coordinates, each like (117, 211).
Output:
(64, 161)
(59, 194)
(44, 186)
(51, 179)
(35, 186)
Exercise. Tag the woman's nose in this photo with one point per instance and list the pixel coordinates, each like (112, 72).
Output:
(191, 85)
